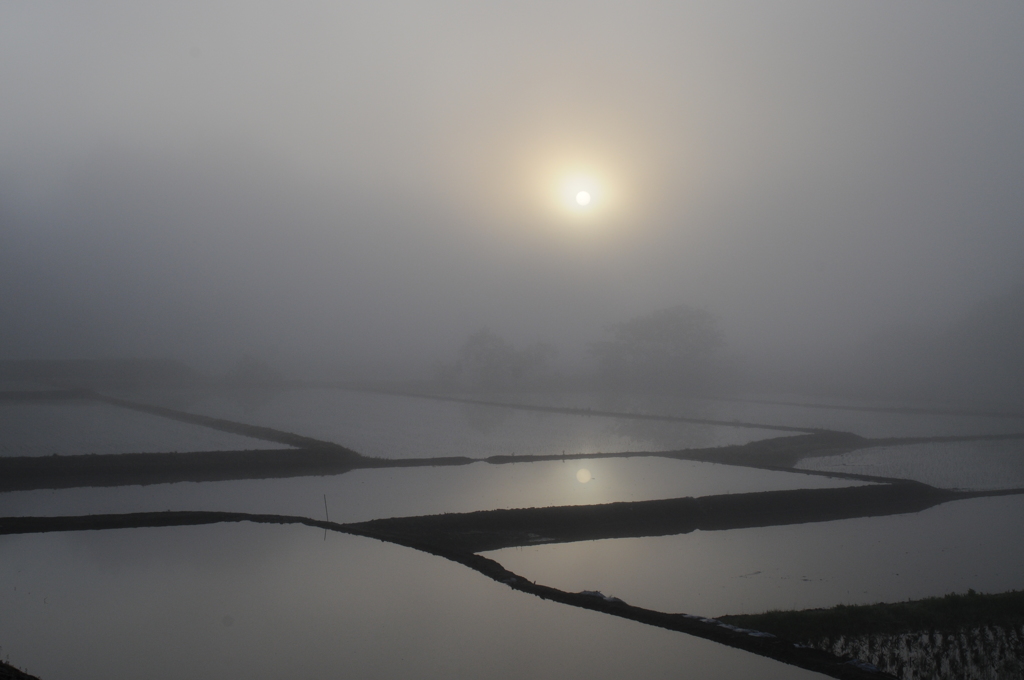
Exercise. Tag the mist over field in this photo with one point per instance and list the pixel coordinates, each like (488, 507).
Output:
(827, 194)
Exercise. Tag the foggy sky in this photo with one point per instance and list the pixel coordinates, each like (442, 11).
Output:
(361, 185)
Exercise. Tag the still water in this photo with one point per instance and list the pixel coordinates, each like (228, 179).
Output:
(409, 427)
(245, 600)
(954, 465)
(396, 492)
(81, 427)
(866, 418)
(248, 601)
(951, 548)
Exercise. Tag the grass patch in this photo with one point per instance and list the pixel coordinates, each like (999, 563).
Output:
(948, 613)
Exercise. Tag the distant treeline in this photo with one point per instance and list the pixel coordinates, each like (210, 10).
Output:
(977, 359)
(674, 349)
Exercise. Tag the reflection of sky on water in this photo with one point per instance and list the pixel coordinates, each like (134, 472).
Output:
(485, 419)
(368, 494)
(864, 423)
(956, 465)
(966, 544)
(404, 427)
(77, 427)
(869, 424)
(253, 601)
(153, 604)
(597, 434)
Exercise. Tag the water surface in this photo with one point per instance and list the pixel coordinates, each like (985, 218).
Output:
(964, 544)
(260, 601)
(268, 601)
(83, 427)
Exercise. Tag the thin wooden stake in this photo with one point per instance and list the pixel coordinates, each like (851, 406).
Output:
(326, 514)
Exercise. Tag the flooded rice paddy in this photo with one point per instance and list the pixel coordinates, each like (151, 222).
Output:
(259, 600)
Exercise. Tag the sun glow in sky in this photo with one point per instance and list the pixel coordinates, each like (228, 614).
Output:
(582, 195)
(582, 188)
(580, 192)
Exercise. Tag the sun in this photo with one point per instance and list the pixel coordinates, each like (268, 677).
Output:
(580, 193)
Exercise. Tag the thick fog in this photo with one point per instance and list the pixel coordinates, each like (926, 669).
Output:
(353, 189)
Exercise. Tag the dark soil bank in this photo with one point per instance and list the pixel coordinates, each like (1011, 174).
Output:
(9, 672)
(61, 472)
(324, 458)
(495, 529)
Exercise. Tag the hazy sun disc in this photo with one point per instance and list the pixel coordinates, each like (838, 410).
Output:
(583, 198)
(583, 476)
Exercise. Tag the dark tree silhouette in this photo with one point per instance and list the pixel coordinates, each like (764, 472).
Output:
(666, 348)
(488, 361)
